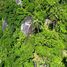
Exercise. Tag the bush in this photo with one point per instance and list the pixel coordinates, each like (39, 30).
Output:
(16, 50)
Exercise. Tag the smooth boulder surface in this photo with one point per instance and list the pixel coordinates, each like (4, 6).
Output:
(26, 26)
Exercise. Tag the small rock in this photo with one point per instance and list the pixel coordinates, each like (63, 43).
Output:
(4, 24)
(19, 2)
(35, 65)
(64, 52)
(48, 21)
(50, 24)
(26, 26)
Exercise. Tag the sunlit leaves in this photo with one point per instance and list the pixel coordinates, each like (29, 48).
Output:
(28, 64)
(52, 2)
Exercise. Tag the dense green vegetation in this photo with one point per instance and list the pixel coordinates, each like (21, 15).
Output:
(50, 45)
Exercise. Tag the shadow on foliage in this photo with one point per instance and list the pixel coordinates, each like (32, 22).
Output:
(64, 61)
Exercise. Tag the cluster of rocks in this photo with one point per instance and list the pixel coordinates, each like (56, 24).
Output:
(27, 25)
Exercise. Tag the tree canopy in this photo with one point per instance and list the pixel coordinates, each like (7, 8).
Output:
(50, 45)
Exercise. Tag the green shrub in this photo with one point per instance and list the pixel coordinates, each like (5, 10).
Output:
(16, 50)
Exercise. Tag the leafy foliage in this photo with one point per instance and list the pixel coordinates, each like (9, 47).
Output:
(16, 50)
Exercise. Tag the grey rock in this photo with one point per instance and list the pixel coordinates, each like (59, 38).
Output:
(26, 26)
(49, 23)
(19, 2)
(35, 64)
(4, 24)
